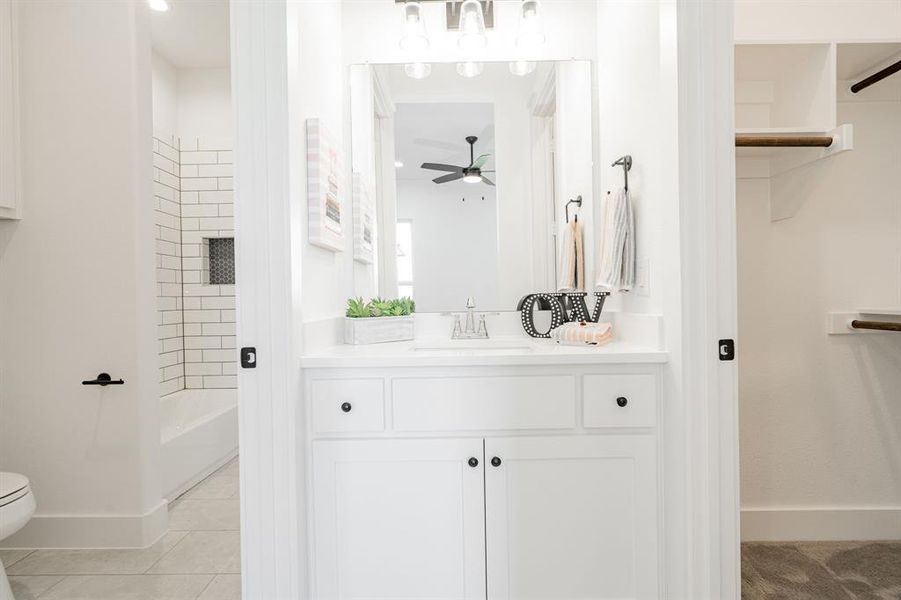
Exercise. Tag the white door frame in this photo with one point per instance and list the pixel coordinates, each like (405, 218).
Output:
(708, 259)
(273, 539)
(273, 469)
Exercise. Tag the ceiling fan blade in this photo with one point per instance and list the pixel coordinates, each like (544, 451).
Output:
(450, 177)
(442, 167)
(481, 160)
(488, 181)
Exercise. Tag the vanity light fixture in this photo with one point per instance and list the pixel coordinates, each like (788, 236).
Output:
(418, 70)
(522, 67)
(414, 38)
(158, 5)
(472, 26)
(470, 69)
(531, 34)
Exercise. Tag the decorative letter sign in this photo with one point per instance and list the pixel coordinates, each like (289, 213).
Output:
(557, 303)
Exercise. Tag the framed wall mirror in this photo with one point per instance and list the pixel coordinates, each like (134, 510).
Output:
(467, 169)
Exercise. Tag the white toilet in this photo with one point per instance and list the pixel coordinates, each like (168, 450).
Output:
(16, 507)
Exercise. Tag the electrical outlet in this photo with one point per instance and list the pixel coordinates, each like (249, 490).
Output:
(643, 277)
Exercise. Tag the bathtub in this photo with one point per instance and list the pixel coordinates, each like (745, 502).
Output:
(198, 434)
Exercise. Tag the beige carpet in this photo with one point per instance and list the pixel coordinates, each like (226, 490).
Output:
(821, 571)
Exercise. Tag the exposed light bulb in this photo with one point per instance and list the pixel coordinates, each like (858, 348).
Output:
(472, 178)
(522, 67)
(470, 69)
(418, 70)
(530, 33)
(158, 5)
(472, 26)
(414, 38)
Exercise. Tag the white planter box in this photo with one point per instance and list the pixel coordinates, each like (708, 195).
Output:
(375, 330)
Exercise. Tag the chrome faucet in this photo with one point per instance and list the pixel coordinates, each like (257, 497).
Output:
(469, 331)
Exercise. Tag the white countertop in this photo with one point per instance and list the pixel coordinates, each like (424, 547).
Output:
(500, 351)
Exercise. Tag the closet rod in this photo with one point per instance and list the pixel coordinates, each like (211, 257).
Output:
(876, 77)
(876, 325)
(783, 141)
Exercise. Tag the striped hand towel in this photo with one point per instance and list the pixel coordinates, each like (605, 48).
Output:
(616, 244)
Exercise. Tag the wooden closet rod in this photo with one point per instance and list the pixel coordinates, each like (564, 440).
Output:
(876, 325)
(783, 141)
(876, 77)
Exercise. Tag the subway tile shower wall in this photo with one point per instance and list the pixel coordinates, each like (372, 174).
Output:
(167, 213)
(209, 309)
(193, 200)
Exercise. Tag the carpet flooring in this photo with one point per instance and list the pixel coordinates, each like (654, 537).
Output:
(821, 571)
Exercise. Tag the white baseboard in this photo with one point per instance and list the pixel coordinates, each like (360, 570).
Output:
(820, 524)
(92, 531)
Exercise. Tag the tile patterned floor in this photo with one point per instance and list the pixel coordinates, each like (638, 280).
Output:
(199, 559)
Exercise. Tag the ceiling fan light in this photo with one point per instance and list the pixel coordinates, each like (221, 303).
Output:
(472, 26)
(472, 178)
(531, 33)
(470, 69)
(414, 38)
(158, 5)
(418, 70)
(522, 67)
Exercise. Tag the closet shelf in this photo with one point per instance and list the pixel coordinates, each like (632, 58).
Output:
(868, 321)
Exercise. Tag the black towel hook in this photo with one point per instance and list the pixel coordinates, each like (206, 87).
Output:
(577, 202)
(626, 163)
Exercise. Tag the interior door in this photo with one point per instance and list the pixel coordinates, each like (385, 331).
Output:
(571, 518)
(399, 519)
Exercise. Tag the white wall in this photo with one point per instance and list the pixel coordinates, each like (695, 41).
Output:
(327, 277)
(164, 84)
(455, 245)
(77, 281)
(820, 417)
(204, 103)
(817, 20)
(191, 103)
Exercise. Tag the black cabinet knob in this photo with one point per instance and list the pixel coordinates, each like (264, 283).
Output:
(346, 407)
(622, 402)
(495, 462)
(473, 462)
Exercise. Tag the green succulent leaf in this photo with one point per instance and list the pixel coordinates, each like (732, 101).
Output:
(357, 308)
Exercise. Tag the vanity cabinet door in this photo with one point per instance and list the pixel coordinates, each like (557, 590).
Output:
(571, 517)
(399, 519)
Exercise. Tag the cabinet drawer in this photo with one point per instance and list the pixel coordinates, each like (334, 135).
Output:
(348, 405)
(484, 403)
(601, 399)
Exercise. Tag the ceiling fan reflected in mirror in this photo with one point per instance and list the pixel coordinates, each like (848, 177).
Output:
(469, 174)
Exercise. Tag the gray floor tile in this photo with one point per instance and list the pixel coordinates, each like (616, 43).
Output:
(190, 514)
(214, 487)
(129, 587)
(11, 557)
(29, 587)
(99, 562)
(203, 552)
(223, 587)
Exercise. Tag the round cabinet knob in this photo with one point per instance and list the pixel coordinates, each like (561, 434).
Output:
(473, 462)
(495, 462)
(346, 407)
(622, 402)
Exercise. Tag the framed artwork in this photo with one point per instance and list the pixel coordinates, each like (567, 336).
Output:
(325, 196)
(364, 220)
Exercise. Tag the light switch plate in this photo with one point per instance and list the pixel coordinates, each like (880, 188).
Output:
(643, 277)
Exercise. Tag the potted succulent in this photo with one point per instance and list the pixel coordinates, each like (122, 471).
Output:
(378, 320)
